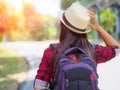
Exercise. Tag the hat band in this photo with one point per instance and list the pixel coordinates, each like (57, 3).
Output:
(70, 25)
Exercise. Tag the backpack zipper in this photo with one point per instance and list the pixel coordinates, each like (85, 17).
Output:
(67, 83)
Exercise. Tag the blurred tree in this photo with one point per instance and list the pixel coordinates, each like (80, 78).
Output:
(29, 13)
(41, 30)
(37, 30)
(108, 20)
(26, 24)
(66, 3)
(8, 18)
(37, 24)
(33, 21)
(2, 16)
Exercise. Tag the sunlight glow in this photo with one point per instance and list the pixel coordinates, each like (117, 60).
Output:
(46, 6)
(16, 3)
(50, 7)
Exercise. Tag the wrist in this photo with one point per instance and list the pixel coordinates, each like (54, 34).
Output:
(98, 28)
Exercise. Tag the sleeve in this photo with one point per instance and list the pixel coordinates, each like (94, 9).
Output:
(41, 84)
(45, 71)
(117, 51)
(103, 54)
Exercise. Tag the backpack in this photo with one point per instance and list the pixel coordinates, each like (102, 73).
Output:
(75, 76)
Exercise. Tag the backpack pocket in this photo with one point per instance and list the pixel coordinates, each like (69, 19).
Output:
(78, 73)
(79, 85)
(78, 78)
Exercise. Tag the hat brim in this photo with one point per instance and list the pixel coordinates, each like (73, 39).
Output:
(86, 30)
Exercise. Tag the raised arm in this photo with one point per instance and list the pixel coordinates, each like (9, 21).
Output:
(108, 39)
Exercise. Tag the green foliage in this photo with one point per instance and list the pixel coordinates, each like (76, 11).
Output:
(1, 36)
(17, 35)
(108, 20)
(11, 66)
(41, 29)
(91, 34)
(37, 24)
(66, 3)
(9, 84)
(38, 34)
(26, 24)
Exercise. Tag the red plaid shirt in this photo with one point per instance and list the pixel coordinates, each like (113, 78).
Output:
(45, 71)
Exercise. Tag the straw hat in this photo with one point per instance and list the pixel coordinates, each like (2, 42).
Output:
(76, 18)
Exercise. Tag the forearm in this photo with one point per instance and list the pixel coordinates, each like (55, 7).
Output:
(108, 39)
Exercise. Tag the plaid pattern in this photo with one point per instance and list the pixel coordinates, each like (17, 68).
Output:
(104, 54)
(45, 71)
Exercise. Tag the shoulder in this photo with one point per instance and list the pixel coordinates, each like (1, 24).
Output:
(50, 48)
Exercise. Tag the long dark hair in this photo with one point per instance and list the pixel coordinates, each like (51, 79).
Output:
(71, 39)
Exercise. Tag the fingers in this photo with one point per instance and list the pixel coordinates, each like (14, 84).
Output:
(90, 25)
(93, 21)
(91, 14)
